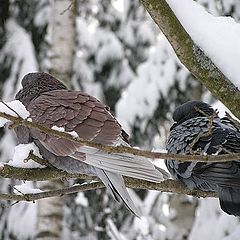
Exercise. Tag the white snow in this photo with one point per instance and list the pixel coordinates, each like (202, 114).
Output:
(218, 37)
(219, 225)
(21, 152)
(113, 231)
(145, 33)
(22, 220)
(222, 109)
(160, 163)
(25, 188)
(19, 45)
(154, 77)
(18, 58)
(109, 47)
(118, 5)
(74, 134)
(13, 108)
(43, 17)
(141, 225)
(62, 129)
(81, 199)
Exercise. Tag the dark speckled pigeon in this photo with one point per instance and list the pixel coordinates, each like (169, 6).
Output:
(193, 132)
(50, 103)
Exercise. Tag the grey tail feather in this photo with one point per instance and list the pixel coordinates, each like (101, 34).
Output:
(165, 174)
(115, 184)
(230, 200)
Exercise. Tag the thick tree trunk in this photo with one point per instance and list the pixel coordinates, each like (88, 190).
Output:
(50, 211)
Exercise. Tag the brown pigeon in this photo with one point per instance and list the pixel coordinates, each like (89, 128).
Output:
(51, 104)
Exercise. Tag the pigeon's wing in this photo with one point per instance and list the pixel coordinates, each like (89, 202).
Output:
(223, 139)
(222, 174)
(23, 134)
(180, 141)
(92, 121)
(79, 112)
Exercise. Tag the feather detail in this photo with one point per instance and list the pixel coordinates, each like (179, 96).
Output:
(199, 130)
(115, 184)
(123, 163)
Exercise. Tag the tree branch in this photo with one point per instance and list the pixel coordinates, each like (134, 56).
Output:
(192, 56)
(165, 186)
(121, 149)
(38, 174)
(51, 193)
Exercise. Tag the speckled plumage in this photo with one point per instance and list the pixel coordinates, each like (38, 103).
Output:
(50, 103)
(197, 123)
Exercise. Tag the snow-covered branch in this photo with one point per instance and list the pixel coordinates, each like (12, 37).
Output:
(192, 56)
(47, 173)
(119, 149)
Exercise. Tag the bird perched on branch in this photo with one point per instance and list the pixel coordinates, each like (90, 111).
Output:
(50, 103)
(199, 130)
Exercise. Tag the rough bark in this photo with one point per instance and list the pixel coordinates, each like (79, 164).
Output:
(192, 56)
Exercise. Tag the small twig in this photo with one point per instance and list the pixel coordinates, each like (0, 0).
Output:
(21, 193)
(10, 108)
(38, 160)
(14, 203)
(51, 193)
(15, 189)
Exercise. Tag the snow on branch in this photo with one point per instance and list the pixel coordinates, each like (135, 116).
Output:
(190, 54)
(48, 173)
(16, 121)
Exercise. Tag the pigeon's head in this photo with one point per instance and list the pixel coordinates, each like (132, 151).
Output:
(192, 109)
(34, 84)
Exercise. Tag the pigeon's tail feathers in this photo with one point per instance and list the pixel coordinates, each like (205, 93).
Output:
(230, 200)
(124, 164)
(115, 184)
(164, 173)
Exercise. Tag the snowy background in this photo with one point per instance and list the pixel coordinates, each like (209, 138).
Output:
(121, 58)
